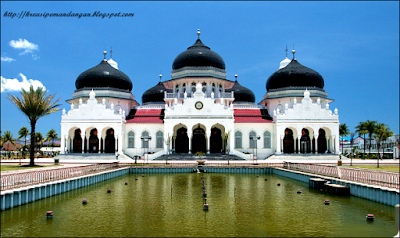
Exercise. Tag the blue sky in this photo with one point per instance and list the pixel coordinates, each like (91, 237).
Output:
(353, 45)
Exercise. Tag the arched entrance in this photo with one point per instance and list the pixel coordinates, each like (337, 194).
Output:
(215, 141)
(199, 140)
(321, 141)
(182, 141)
(109, 141)
(288, 142)
(93, 142)
(305, 143)
(77, 144)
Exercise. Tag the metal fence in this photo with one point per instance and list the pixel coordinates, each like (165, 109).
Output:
(27, 178)
(381, 178)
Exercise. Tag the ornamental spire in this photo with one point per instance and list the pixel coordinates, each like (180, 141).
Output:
(105, 53)
(198, 33)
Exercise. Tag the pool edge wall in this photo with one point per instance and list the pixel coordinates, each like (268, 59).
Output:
(384, 195)
(20, 196)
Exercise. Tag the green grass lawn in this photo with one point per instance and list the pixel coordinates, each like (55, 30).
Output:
(391, 168)
(20, 167)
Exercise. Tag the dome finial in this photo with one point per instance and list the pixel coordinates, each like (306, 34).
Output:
(198, 33)
(294, 52)
(286, 51)
(160, 76)
(105, 53)
(236, 77)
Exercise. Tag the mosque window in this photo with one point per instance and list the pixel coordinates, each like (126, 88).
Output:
(253, 142)
(238, 140)
(267, 140)
(131, 139)
(159, 139)
(193, 87)
(145, 143)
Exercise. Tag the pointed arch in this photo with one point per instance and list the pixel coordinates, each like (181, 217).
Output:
(252, 142)
(238, 140)
(145, 143)
(267, 139)
(159, 139)
(131, 139)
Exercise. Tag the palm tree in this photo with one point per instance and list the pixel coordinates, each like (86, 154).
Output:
(35, 104)
(23, 132)
(361, 129)
(343, 131)
(370, 127)
(381, 134)
(51, 136)
(8, 138)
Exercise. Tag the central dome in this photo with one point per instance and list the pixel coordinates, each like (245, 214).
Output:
(198, 55)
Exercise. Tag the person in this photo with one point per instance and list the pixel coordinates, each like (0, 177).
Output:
(340, 157)
(116, 154)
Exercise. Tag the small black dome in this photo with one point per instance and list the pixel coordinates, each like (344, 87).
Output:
(295, 75)
(103, 76)
(198, 55)
(241, 94)
(155, 94)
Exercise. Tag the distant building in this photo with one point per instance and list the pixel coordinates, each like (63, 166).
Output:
(389, 147)
(199, 109)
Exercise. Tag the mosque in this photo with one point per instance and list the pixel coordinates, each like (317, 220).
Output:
(199, 110)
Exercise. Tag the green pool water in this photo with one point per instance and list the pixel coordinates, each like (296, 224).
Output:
(171, 205)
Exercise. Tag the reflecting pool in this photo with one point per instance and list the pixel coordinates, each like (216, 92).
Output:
(171, 205)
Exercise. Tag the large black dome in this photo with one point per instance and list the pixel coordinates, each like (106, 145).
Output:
(241, 94)
(198, 55)
(155, 94)
(295, 75)
(103, 76)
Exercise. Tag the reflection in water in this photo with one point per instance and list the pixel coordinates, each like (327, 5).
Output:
(171, 205)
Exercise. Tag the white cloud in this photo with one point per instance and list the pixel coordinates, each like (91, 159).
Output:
(27, 46)
(35, 57)
(9, 85)
(7, 59)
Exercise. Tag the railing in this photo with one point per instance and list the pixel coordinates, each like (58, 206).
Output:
(381, 178)
(16, 180)
(206, 95)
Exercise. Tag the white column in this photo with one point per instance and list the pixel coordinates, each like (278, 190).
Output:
(104, 144)
(278, 143)
(316, 144)
(208, 141)
(83, 143)
(116, 143)
(190, 142)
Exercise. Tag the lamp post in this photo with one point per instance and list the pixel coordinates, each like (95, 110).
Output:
(255, 138)
(145, 139)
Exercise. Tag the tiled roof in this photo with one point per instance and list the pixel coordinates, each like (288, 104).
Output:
(147, 116)
(250, 116)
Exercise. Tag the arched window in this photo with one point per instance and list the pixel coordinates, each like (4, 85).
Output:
(267, 140)
(131, 139)
(253, 140)
(238, 140)
(145, 142)
(159, 139)
(193, 87)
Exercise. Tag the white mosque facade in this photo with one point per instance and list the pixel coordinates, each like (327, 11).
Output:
(199, 110)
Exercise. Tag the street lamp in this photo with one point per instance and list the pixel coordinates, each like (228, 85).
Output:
(255, 138)
(145, 139)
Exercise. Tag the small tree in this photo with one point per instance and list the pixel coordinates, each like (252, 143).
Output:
(370, 126)
(39, 140)
(343, 131)
(51, 136)
(23, 132)
(361, 129)
(7, 139)
(34, 104)
(381, 134)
